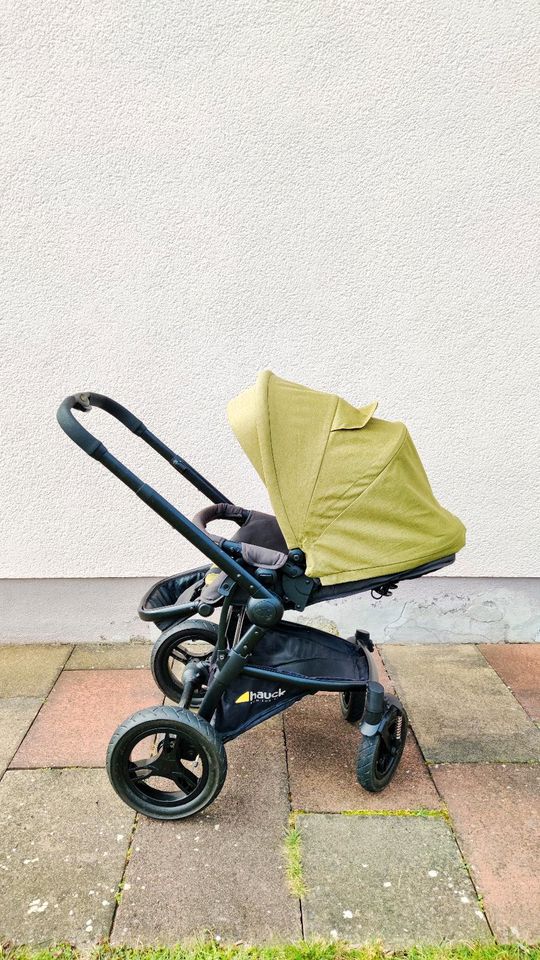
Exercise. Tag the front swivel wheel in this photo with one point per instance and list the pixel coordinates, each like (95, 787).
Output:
(166, 762)
(379, 755)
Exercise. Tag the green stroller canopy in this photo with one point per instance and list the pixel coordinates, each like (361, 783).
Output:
(347, 488)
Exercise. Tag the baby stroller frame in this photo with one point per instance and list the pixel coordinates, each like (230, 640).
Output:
(253, 603)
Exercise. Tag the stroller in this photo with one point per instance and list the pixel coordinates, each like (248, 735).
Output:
(354, 512)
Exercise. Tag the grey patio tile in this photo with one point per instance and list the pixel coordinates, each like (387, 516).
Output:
(16, 715)
(459, 707)
(110, 656)
(395, 878)
(496, 812)
(223, 871)
(30, 670)
(63, 841)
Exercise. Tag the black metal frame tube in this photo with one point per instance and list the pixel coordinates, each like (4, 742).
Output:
(237, 659)
(235, 664)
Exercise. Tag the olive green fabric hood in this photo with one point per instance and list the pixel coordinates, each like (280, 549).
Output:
(347, 488)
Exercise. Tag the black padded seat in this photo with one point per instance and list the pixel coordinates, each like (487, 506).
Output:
(336, 590)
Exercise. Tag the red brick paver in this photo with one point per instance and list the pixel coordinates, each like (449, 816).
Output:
(518, 665)
(84, 708)
(496, 813)
(322, 750)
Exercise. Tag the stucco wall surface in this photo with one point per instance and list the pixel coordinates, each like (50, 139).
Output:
(343, 192)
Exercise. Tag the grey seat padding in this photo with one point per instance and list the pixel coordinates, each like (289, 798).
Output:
(263, 544)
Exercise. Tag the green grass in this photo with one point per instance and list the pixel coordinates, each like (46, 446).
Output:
(293, 859)
(301, 951)
(421, 812)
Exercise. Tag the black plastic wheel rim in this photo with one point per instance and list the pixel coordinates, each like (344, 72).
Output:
(159, 758)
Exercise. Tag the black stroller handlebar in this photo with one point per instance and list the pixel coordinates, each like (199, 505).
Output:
(71, 426)
(85, 402)
(199, 538)
(94, 448)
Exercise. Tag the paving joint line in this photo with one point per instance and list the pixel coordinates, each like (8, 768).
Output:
(453, 831)
(481, 763)
(440, 813)
(53, 766)
(292, 816)
(503, 681)
(121, 883)
(479, 895)
(9, 768)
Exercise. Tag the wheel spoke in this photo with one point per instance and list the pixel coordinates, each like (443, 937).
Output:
(142, 769)
(179, 656)
(183, 778)
(167, 764)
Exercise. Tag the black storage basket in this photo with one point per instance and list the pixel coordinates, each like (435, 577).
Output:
(183, 588)
(294, 649)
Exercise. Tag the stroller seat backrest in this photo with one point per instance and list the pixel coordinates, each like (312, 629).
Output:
(259, 538)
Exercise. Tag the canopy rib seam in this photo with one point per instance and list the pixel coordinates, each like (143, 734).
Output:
(360, 495)
(320, 465)
(345, 492)
(274, 471)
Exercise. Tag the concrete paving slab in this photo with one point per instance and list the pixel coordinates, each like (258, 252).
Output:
(63, 841)
(30, 670)
(223, 871)
(395, 878)
(518, 665)
(16, 715)
(80, 715)
(110, 656)
(459, 707)
(496, 813)
(322, 751)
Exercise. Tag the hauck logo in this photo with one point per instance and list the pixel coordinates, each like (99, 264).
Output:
(250, 695)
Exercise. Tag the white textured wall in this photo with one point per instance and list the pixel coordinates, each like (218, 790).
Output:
(342, 191)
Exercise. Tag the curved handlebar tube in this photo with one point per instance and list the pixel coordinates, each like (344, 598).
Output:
(96, 449)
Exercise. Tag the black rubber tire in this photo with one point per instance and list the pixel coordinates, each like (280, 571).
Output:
(197, 733)
(202, 630)
(376, 766)
(353, 705)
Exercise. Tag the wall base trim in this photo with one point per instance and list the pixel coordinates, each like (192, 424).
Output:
(430, 610)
